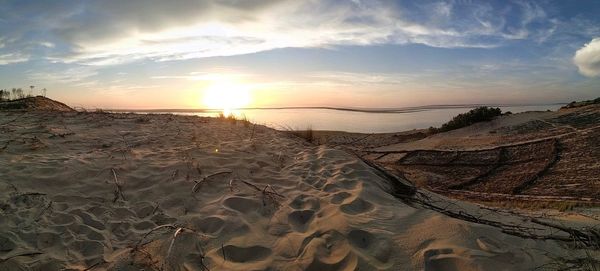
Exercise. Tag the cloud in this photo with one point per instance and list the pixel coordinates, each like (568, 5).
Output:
(11, 58)
(78, 75)
(108, 32)
(587, 59)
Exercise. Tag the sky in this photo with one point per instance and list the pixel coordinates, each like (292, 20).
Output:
(261, 53)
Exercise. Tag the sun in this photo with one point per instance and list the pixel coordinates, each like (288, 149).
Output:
(226, 96)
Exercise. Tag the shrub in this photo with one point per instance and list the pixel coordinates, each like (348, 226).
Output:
(478, 114)
(575, 104)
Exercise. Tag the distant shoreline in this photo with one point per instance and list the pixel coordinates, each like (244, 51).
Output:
(362, 110)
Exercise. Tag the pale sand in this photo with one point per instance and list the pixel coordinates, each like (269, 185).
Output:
(334, 212)
(473, 137)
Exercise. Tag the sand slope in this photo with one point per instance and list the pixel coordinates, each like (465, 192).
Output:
(37, 103)
(88, 191)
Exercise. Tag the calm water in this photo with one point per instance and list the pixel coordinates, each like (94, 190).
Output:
(365, 122)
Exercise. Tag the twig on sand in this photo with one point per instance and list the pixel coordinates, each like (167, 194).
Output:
(25, 254)
(101, 262)
(136, 246)
(118, 192)
(252, 135)
(13, 186)
(37, 218)
(272, 195)
(251, 185)
(177, 232)
(155, 208)
(231, 187)
(590, 238)
(29, 194)
(127, 146)
(6, 145)
(199, 183)
(174, 175)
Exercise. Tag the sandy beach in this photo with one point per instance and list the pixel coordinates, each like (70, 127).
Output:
(99, 191)
(281, 135)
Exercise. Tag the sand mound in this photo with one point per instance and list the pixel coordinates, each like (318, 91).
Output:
(162, 192)
(38, 103)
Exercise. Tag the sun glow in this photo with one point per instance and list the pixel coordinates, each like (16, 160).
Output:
(226, 96)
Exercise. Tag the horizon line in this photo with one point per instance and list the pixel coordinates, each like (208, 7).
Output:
(409, 109)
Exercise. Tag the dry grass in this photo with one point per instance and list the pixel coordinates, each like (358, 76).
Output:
(306, 134)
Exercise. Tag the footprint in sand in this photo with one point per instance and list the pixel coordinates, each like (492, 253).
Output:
(121, 230)
(88, 249)
(329, 251)
(380, 248)
(334, 186)
(304, 201)
(144, 226)
(357, 206)
(244, 254)
(489, 245)
(144, 209)
(62, 219)
(242, 205)
(208, 225)
(446, 259)
(7, 242)
(47, 239)
(348, 263)
(88, 219)
(339, 197)
(300, 219)
(361, 239)
(315, 182)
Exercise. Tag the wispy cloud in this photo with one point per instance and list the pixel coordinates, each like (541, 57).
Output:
(113, 32)
(11, 58)
(78, 75)
(213, 75)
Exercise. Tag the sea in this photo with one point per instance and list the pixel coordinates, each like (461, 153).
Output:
(360, 120)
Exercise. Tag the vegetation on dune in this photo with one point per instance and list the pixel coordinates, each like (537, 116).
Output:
(33, 103)
(575, 104)
(17, 93)
(479, 114)
(306, 134)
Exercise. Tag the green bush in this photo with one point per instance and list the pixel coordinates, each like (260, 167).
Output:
(478, 114)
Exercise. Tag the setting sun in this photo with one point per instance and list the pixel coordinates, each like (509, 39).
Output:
(226, 96)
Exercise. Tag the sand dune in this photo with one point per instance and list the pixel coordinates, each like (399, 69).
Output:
(90, 191)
